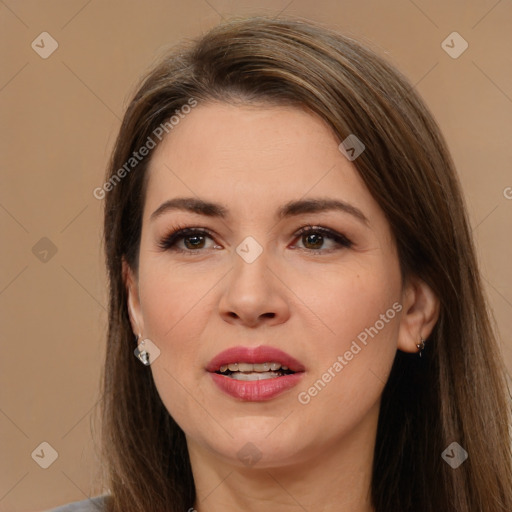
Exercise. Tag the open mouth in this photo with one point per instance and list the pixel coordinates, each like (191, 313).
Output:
(253, 371)
(255, 374)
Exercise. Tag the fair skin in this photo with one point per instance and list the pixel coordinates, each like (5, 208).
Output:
(305, 294)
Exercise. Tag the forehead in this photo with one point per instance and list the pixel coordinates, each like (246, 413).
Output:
(253, 158)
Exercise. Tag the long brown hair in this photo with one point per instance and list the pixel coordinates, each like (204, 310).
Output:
(456, 392)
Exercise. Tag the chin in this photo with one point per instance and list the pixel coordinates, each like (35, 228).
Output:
(260, 446)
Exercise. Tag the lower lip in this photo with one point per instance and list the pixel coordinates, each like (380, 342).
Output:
(257, 390)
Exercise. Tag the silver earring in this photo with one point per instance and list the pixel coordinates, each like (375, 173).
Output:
(140, 353)
(421, 346)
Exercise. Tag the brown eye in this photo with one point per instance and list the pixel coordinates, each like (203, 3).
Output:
(187, 240)
(314, 239)
(194, 242)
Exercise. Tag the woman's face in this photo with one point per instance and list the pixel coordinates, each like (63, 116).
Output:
(331, 299)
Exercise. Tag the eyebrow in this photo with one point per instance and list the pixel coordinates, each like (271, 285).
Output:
(290, 209)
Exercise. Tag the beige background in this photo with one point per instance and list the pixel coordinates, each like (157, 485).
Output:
(60, 116)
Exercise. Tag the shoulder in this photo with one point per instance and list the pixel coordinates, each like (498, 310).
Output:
(96, 504)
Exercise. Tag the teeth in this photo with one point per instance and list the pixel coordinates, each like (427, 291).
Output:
(250, 367)
(254, 376)
(264, 367)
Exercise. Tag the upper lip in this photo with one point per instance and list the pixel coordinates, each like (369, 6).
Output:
(255, 355)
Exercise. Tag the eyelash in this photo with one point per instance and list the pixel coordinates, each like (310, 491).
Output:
(168, 242)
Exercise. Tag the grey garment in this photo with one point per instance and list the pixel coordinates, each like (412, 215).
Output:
(96, 504)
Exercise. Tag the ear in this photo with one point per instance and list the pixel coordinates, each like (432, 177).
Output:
(420, 314)
(134, 310)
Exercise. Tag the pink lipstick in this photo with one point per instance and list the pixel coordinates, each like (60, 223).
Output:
(255, 373)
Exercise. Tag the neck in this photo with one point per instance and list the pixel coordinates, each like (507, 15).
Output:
(336, 478)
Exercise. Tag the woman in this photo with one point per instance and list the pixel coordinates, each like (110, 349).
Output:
(287, 244)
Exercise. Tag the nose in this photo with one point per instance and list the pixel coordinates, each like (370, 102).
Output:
(253, 295)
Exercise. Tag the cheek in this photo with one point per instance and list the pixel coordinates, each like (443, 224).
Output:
(165, 290)
(360, 311)
(175, 312)
(348, 301)
(173, 307)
